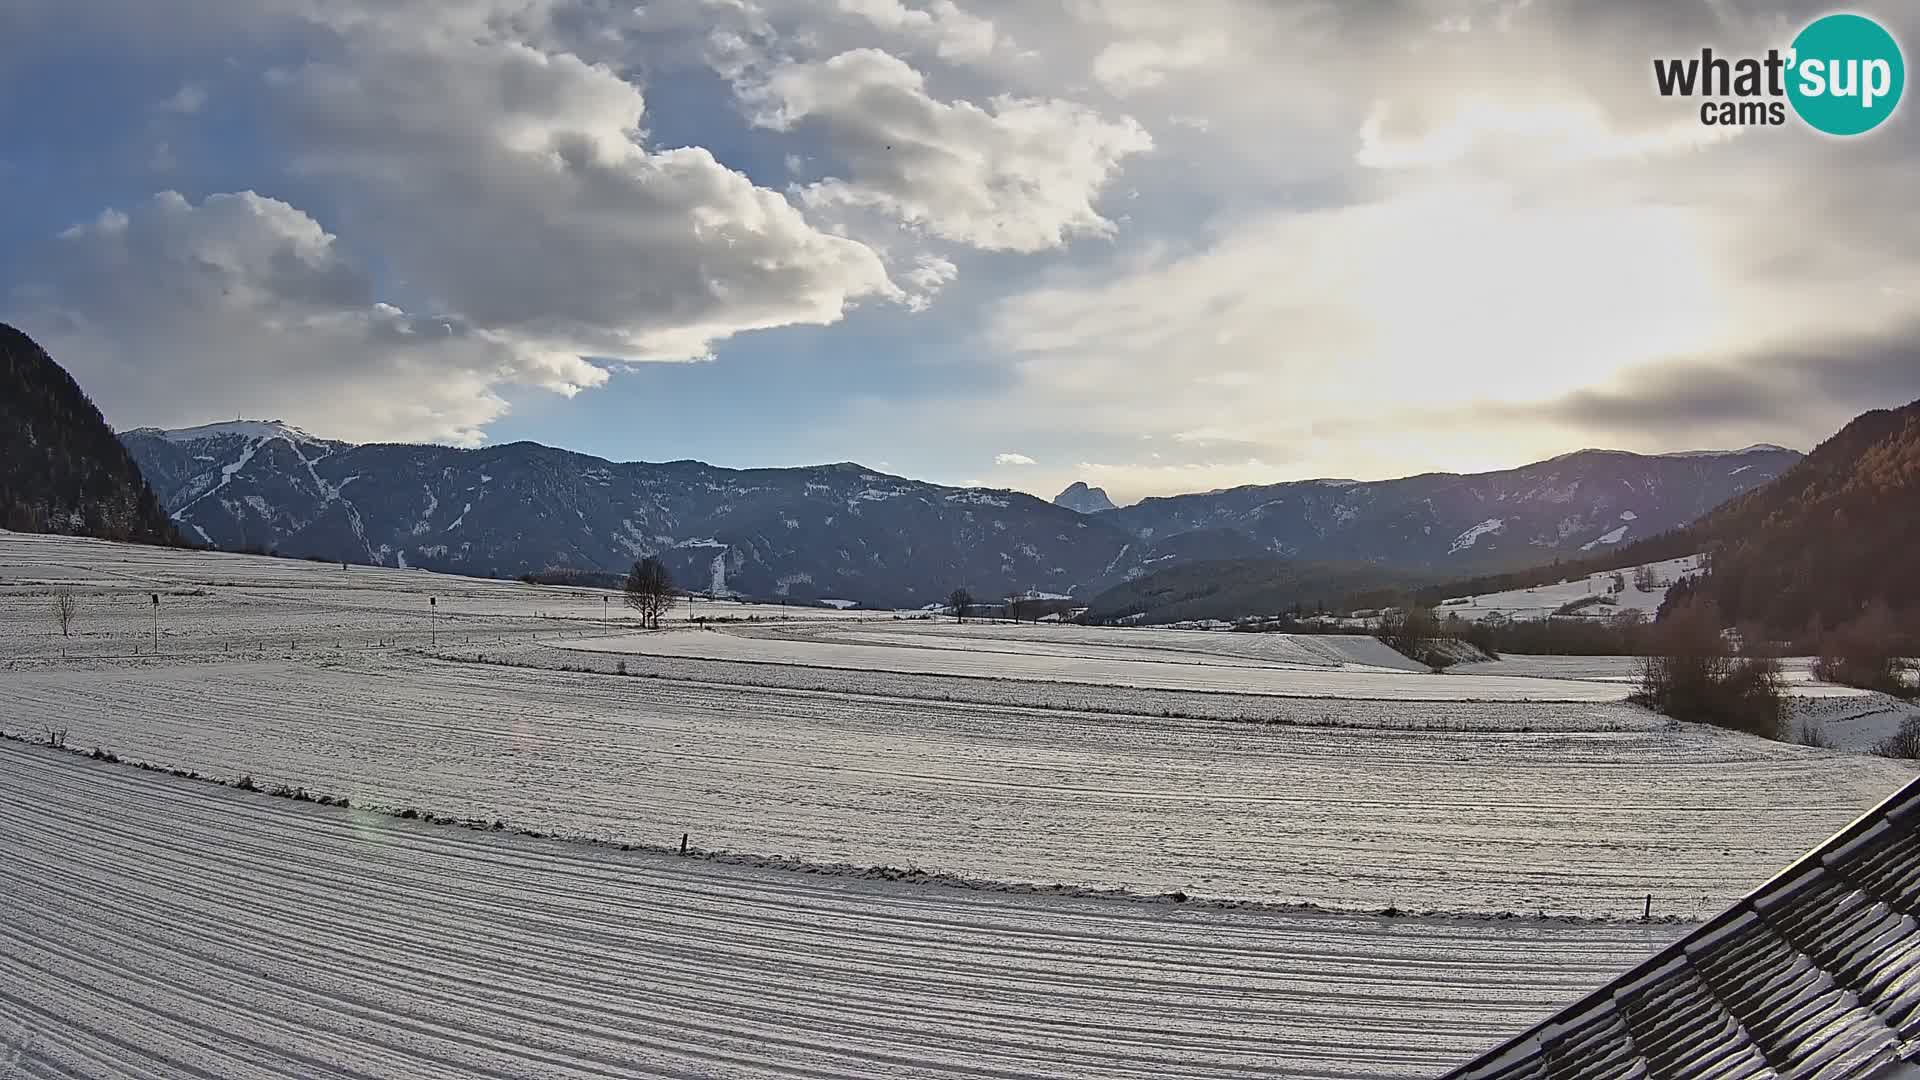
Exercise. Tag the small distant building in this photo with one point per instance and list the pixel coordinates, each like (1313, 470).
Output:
(1816, 974)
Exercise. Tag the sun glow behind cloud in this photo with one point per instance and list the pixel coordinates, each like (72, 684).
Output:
(1465, 293)
(1434, 299)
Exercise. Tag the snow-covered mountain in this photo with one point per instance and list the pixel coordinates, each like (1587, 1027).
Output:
(1083, 499)
(840, 531)
(845, 531)
(1583, 502)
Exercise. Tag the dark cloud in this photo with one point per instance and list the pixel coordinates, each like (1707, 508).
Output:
(1804, 393)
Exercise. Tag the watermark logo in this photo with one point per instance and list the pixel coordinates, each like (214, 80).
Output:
(1842, 75)
(1851, 74)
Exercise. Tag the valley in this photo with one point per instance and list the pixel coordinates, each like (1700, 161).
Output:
(1217, 852)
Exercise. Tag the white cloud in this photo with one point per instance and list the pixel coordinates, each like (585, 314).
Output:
(1020, 174)
(929, 275)
(187, 100)
(1558, 133)
(932, 271)
(1293, 329)
(177, 313)
(954, 33)
(1354, 340)
(1013, 459)
(513, 184)
(1132, 481)
(1136, 64)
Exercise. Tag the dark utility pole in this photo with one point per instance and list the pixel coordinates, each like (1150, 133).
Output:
(156, 624)
(433, 628)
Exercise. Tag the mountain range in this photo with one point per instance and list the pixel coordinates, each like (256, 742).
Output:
(846, 532)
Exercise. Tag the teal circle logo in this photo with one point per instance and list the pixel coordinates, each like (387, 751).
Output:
(1847, 74)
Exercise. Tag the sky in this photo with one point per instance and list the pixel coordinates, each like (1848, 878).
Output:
(1014, 243)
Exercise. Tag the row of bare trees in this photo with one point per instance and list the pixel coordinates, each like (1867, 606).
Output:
(1019, 605)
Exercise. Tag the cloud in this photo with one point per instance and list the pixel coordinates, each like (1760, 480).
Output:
(1137, 64)
(1396, 297)
(1521, 249)
(1563, 132)
(1013, 459)
(189, 99)
(176, 313)
(954, 33)
(1797, 394)
(1019, 174)
(930, 274)
(1128, 482)
(514, 185)
(500, 180)
(1528, 307)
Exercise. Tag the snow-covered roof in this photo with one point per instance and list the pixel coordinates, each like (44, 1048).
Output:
(1816, 973)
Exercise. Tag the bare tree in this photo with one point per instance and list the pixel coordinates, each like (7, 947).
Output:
(1644, 579)
(960, 600)
(650, 591)
(64, 608)
(1903, 744)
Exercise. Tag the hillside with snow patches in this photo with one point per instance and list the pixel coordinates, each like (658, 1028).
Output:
(850, 533)
(1583, 502)
(1604, 595)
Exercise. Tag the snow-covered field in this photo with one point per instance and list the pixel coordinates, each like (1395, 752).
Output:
(1854, 722)
(159, 927)
(1795, 671)
(151, 925)
(1538, 603)
(214, 604)
(1321, 711)
(1134, 645)
(1582, 822)
(1314, 666)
